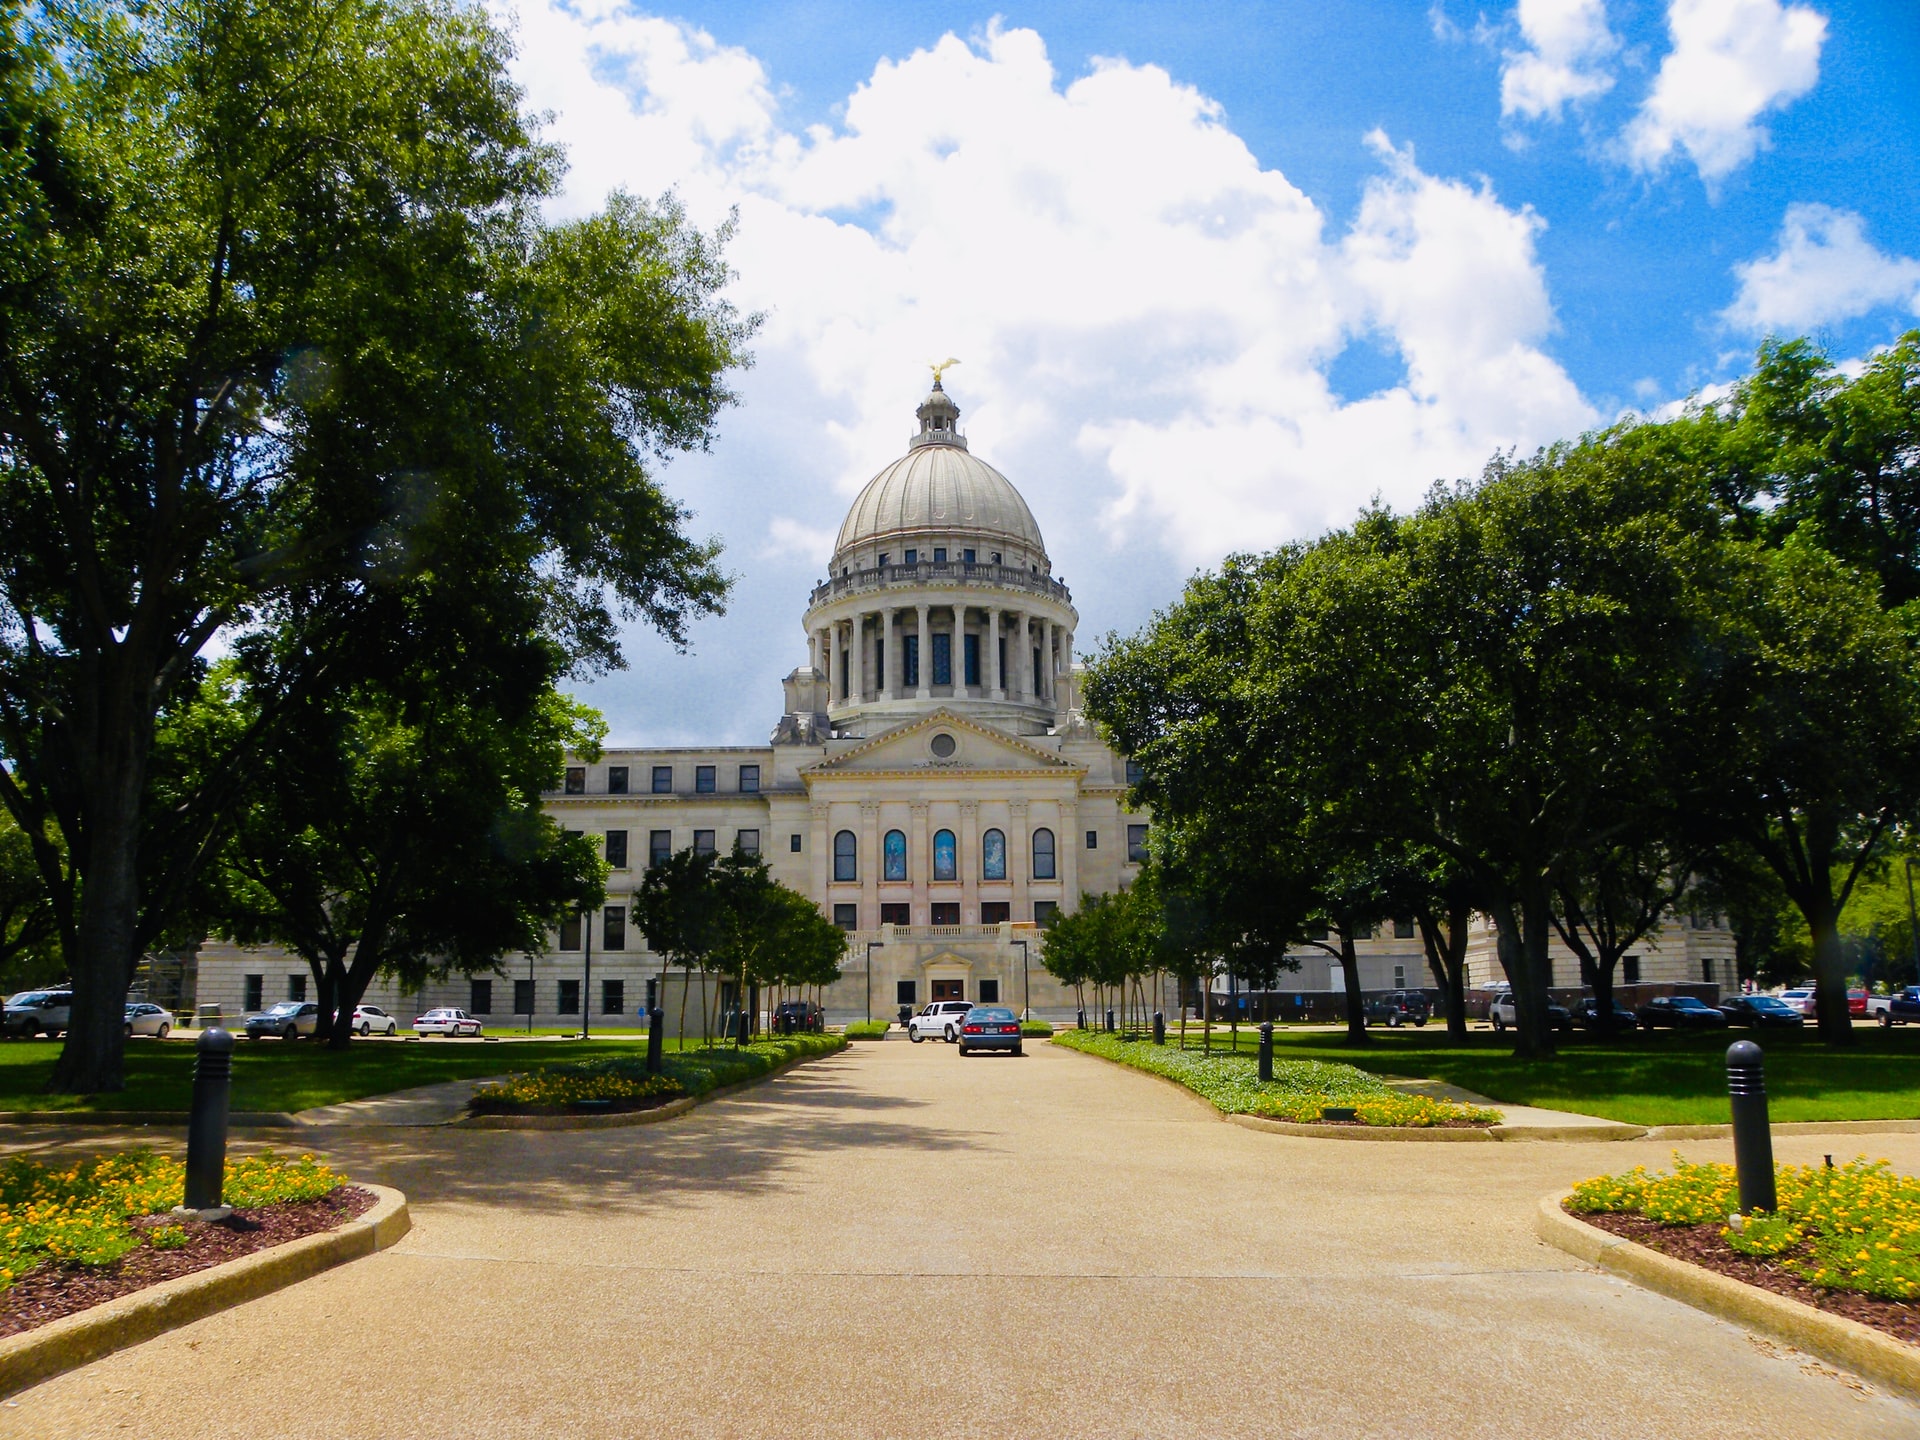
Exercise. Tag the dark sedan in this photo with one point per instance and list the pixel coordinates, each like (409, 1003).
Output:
(1681, 1012)
(1763, 1012)
(990, 1027)
(1586, 1014)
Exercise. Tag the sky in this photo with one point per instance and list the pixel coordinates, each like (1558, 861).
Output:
(1217, 274)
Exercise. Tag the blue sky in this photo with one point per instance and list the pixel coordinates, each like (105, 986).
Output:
(1219, 273)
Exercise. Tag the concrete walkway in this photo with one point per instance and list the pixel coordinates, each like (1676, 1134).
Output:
(897, 1241)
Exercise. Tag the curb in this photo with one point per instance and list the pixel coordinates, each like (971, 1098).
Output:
(1861, 1348)
(80, 1339)
(1790, 1127)
(672, 1110)
(237, 1120)
(1612, 1130)
(1414, 1133)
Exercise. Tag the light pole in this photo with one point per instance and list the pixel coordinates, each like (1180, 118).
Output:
(872, 945)
(529, 992)
(586, 980)
(1026, 985)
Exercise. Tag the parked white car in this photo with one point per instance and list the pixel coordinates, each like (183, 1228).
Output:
(1799, 998)
(369, 1018)
(941, 1019)
(445, 1021)
(148, 1019)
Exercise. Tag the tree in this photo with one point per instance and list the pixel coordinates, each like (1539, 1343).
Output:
(404, 835)
(769, 934)
(286, 345)
(29, 950)
(1609, 900)
(679, 908)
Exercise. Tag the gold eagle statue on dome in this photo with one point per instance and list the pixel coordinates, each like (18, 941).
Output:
(941, 366)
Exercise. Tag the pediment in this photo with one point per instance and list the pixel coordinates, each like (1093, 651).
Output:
(910, 749)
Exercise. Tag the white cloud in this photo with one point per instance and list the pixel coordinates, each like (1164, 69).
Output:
(1146, 316)
(1568, 43)
(787, 536)
(1732, 61)
(1824, 269)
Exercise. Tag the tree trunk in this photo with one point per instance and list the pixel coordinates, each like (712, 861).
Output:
(1830, 975)
(1535, 1028)
(1356, 996)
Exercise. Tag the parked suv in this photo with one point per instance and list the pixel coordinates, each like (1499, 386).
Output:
(793, 1015)
(290, 1019)
(1401, 1007)
(33, 1012)
(1504, 1013)
(941, 1018)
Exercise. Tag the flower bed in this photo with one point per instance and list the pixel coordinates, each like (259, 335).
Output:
(622, 1084)
(1299, 1091)
(1852, 1227)
(93, 1214)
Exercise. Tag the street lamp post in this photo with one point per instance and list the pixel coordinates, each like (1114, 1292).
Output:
(586, 980)
(872, 945)
(529, 992)
(1026, 985)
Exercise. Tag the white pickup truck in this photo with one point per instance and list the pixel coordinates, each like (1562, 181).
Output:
(939, 1020)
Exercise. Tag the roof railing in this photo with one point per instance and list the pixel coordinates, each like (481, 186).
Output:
(876, 577)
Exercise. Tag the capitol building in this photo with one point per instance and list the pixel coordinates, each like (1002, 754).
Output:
(930, 782)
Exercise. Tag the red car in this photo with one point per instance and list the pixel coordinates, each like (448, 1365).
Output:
(1856, 1002)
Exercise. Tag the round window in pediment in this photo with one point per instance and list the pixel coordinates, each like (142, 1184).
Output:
(943, 746)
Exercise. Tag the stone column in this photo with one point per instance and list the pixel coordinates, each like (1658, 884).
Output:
(969, 862)
(959, 652)
(1020, 858)
(1066, 854)
(923, 688)
(889, 657)
(1046, 659)
(857, 689)
(869, 864)
(832, 636)
(1017, 643)
(997, 684)
(822, 858)
(920, 852)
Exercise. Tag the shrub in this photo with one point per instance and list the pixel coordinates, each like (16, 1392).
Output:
(83, 1214)
(1036, 1028)
(1854, 1227)
(688, 1072)
(866, 1030)
(558, 1086)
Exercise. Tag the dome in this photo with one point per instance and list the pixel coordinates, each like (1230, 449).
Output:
(938, 487)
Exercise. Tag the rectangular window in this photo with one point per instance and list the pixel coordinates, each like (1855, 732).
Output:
(995, 912)
(616, 779)
(793, 844)
(576, 779)
(972, 651)
(1630, 969)
(1136, 844)
(1044, 911)
(1399, 977)
(296, 987)
(943, 659)
(703, 779)
(904, 992)
(613, 997)
(912, 557)
(909, 659)
(989, 992)
(617, 849)
(1001, 671)
(946, 912)
(878, 675)
(1093, 839)
(1135, 774)
(939, 554)
(749, 779)
(1706, 971)
(896, 912)
(883, 559)
(480, 997)
(254, 1000)
(653, 992)
(966, 557)
(570, 933)
(747, 842)
(703, 842)
(569, 998)
(847, 917)
(663, 779)
(613, 927)
(1403, 929)
(659, 846)
(523, 997)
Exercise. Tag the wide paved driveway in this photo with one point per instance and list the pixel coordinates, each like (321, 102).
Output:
(898, 1242)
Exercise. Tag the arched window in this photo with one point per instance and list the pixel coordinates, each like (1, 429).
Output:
(846, 856)
(894, 856)
(1043, 854)
(993, 856)
(945, 861)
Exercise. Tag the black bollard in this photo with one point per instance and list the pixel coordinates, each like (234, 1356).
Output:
(656, 1038)
(1159, 1028)
(1266, 1050)
(1080, 1019)
(207, 1123)
(1752, 1136)
(740, 1036)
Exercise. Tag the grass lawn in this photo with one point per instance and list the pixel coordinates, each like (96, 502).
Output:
(1661, 1078)
(283, 1075)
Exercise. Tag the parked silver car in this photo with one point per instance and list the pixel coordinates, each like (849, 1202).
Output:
(290, 1019)
(144, 1018)
(38, 1012)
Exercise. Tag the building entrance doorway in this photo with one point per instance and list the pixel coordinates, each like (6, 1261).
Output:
(949, 989)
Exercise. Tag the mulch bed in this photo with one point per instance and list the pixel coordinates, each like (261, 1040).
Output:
(50, 1291)
(611, 1107)
(1701, 1245)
